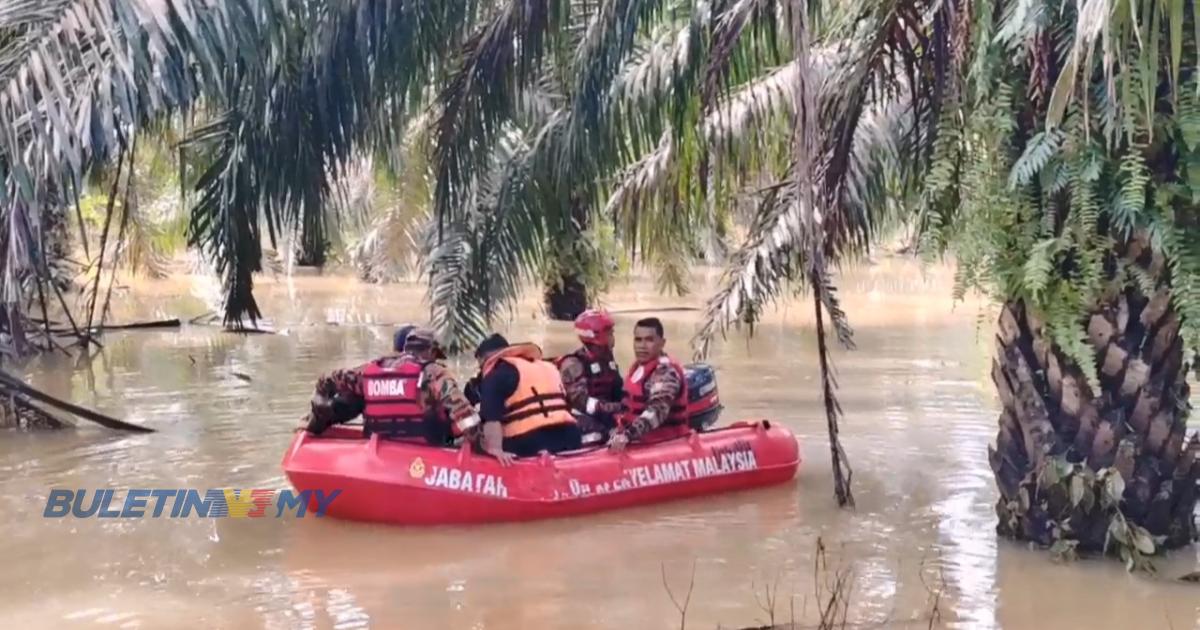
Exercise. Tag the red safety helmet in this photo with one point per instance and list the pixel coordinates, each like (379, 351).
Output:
(594, 327)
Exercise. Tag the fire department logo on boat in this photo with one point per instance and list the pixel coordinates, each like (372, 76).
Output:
(466, 481)
(417, 469)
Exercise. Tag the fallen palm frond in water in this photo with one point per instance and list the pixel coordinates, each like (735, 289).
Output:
(249, 330)
(161, 323)
(204, 319)
(57, 328)
(16, 391)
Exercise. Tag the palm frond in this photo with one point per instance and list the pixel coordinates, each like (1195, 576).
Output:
(391, 245)
(665, 197)
(872, 197)
(768, 260)
(457, 305)
(863, 131)
(500, 58)
(341, 76)
(79, 78)
(477, 267)
(746, 37)
(577, 119)
(733, 125)
(907, 53)
(401, 206)
(642, 181)
(224, 221)
(752, 105)
(84, 73)
(590, 143)
(649, 72)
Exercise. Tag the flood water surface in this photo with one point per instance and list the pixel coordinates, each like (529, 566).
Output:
(919, 417)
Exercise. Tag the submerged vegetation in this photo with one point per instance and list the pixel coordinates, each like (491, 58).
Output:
(1051, 146)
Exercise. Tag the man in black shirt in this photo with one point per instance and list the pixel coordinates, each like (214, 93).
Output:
(522, 403)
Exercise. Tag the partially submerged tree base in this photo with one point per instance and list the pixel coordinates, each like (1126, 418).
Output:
(17, 412)
(19, 395)
(1106, 472)
(567, 300)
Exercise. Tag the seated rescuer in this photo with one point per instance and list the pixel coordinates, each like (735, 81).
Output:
(655, 390)
(338, 398)
(523, 405)
(408, 396)
(591, 377)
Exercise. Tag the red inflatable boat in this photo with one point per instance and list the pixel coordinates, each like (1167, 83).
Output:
(395, 482)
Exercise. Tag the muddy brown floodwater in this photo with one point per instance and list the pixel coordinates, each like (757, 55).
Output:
(919, 417)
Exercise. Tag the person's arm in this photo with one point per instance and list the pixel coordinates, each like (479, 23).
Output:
(575, 384)
(493, 443)
(662, 388)
(338, 398)
(344, 383)
(471, 389)
(574, 378)
(442, 390)
(494, 391)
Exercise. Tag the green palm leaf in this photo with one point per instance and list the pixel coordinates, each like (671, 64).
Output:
(79, 78)
(498, 62)
(339, 80)
(478, 267)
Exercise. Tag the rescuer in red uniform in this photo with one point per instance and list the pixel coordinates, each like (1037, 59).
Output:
(655, 390)
(408, 396)
(591, 378)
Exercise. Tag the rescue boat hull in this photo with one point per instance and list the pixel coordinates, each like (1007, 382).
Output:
(386, 481)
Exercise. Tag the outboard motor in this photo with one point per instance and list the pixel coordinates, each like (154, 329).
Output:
(704, 406)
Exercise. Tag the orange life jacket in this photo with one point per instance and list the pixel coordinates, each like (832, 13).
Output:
(539, 400)
(394, 404)
(635, 398)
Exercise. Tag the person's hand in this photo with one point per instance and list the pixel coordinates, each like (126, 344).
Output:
(471, 391)
(319, 416)
(618, 442)
(505, 458)
(611, 408)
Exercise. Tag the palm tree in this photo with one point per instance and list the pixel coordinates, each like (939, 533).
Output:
(278, 95)
(527, 125)
(343, 80)
(549, 103)
(1047, 147)
(80, 78)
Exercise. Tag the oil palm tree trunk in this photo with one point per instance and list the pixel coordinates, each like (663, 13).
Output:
(568, 296)
(1061, 446)
(567, 299)
(314, 246)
